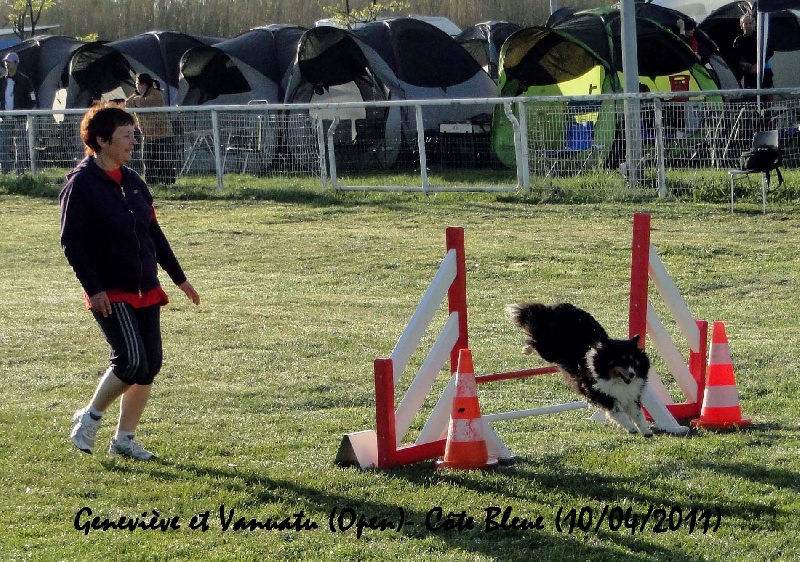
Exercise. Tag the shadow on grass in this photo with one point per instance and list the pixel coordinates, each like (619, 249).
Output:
(550, 542)
(766, 435)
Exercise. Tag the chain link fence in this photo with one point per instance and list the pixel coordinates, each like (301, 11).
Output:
(525, 144)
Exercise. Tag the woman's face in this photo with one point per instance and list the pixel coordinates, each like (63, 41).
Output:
(140, 88)
(747, 24)
(120, 149)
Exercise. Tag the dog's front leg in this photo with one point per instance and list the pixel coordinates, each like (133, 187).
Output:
(636, 414)
(618, 416)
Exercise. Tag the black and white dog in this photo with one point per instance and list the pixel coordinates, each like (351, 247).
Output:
(611, 374)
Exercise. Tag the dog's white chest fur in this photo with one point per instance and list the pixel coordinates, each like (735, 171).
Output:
(622, 392)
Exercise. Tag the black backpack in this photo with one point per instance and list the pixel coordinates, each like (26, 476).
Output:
(762, 159)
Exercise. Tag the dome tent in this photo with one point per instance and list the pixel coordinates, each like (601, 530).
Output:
(333, 65)
(485, 40)
(97, 70)
(247, 69)
(159, 53)
(45, 59)
(582, 55)
(430, 64)
(251, 66)
(109, 68)
(382, 60)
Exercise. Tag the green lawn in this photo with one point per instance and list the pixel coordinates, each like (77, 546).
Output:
(300, 294)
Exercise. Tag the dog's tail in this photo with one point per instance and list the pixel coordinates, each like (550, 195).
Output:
(513, 311)
(523, 314)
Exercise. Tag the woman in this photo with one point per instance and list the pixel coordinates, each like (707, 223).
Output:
(114, 243)
(156, 127)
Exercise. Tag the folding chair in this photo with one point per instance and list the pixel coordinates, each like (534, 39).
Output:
(242, 143)
(578, 147)
(245, 138)
(200, 137)
(761, 140)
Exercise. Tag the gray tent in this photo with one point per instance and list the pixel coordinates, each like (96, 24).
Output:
(98, 71)
(484, 40)
(208, 75)
(252, 66)
(430, 64)
(45, 59)
(397, 59)
(159, 53)
(333, 65)
(108, 69)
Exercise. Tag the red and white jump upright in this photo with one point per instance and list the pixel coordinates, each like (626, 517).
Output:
(384, 447)
(644, 320)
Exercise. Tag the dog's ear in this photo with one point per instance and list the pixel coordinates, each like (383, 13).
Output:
(635, 340)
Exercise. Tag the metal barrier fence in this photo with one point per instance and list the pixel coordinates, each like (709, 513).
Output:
(525, 144)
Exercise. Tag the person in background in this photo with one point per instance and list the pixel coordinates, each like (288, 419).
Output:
(16, 93)
(688, 28)
(114, 244)
(745, 51)
(156, 128)
(693, 111)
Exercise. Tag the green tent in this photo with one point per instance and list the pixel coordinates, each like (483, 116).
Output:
(581, 55)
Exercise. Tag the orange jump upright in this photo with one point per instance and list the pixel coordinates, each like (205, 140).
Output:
(721, 400)
(466, 447)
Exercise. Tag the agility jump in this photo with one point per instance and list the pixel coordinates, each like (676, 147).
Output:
(384, 447)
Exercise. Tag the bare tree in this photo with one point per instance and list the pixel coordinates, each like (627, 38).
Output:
(24, 11)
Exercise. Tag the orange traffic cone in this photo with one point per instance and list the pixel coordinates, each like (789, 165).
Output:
(466, 448)
(721, 400)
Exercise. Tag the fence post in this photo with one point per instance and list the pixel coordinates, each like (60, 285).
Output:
(658, 105)
(217, 151)
(319, 126)
(32, 134)
(332, 172)
(423, 157)
(524, 161)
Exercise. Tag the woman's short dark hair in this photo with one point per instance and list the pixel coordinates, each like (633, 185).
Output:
(101, 121)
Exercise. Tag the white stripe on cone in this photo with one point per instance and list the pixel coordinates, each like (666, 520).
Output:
(466, 385)
(466, 430)
(721, 397)
(720, 354)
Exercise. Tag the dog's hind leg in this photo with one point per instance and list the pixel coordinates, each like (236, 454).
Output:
(637, 416)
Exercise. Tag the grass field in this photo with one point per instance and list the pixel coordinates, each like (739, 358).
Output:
(300, 294)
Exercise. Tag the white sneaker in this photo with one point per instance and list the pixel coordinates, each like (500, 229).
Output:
(129, 448)
(84, 431)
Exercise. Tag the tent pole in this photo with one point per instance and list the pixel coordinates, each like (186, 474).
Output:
(630, 72)
(762, 34)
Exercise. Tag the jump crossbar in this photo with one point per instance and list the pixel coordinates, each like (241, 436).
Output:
(535, 411)
(516, 374)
